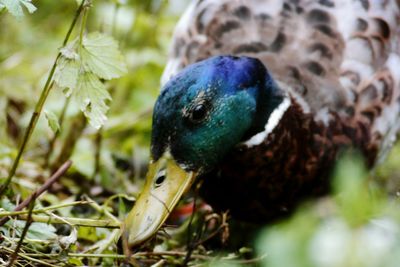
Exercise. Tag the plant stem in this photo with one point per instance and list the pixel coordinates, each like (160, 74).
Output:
(43, 210)
(118, 256)
(83, 25)
(101, 209)
(39, 106)
(22, 255)
(74, 221)
(190, 245)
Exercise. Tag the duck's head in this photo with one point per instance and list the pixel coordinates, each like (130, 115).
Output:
(201, 114)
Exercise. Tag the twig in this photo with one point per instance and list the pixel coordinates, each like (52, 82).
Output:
(14, 255)
(43, 210)
(23, 255)
(190, 246)
(159, 263)
(28, 240)
(100, 209)
(249, 261)
(74, 221)
(222, 226)
(60, 172)
(39, 106)
(52, 215)
(42, 263)
(118, 256)
(107, 242)
(114, 234)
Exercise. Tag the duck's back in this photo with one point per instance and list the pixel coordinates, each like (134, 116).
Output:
(341, 56)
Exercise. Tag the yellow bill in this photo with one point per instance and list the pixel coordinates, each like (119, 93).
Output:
(165, 184)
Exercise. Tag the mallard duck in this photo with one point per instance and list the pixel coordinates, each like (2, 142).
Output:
(260, 96)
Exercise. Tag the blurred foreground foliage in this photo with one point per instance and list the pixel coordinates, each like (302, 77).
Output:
(359, 226)
(76, 222)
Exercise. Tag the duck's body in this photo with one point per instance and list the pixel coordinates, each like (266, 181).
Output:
(332, 80)
(337, 62)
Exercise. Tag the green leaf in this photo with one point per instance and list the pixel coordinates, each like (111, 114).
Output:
(88, 233)
(41, 231)
(15, 7)
(52, 120)
(101, 55)
(66, 75)
(6, 204)
(69, 51)
(79, 73)
(28, 5)
(91, 96)
(75, 261)
(352, 191)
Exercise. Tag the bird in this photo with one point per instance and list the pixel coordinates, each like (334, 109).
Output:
(259, 98)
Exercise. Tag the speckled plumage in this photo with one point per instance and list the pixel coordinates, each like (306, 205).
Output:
(338, 62)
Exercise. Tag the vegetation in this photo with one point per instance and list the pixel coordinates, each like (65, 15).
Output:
(77, 85)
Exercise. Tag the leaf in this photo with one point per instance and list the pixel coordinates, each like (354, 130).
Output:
(41, 231)
(79, 73)
(6, 204)
(91, 96)
(101, 55)
(29, 6)
(352, 190)
(88, 233)
(75, 261)
(52, 120)
(66, 75)
(69, 51)
(83, 157)
(15, 7)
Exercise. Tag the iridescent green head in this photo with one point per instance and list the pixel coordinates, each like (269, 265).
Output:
(209, 107)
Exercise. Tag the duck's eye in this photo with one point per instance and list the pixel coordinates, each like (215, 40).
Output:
(198, 113)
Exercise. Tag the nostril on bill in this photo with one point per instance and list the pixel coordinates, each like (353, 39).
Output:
(160, 178)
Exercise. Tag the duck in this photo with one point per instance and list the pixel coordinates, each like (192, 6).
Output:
(259, 98)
